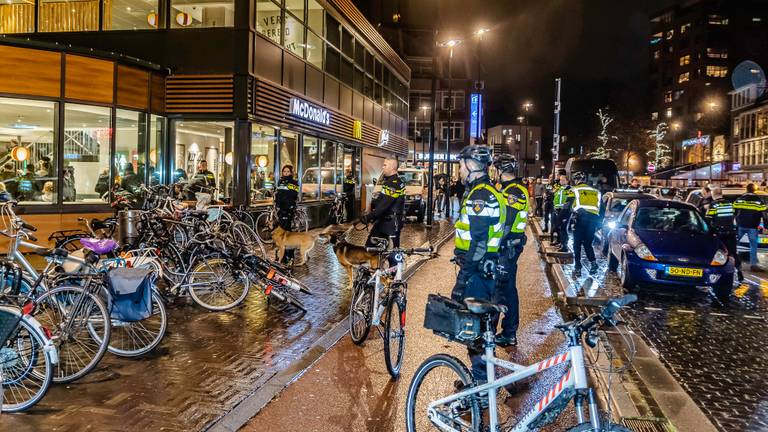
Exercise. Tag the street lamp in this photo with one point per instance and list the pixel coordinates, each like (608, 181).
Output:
(527, 106)
(450, 44)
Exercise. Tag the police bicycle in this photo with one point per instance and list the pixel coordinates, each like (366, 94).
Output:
(458, 408)
(373, 293)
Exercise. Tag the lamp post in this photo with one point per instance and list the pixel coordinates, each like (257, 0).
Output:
(712, 106)
(450, 44)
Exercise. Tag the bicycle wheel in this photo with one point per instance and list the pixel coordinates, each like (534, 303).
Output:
(133, 339)
(394, 334)
(264, 227)
(300, 222)
(243, 233)
(74, 316)
(361, 310)
(25, 369)
(216, 286)
(246, 218)
(435, 379)
(587, 427)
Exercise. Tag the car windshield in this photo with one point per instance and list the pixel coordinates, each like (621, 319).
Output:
(412, 178)
(618, 204)
(669, 220)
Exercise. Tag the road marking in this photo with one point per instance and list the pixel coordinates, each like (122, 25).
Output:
(718, 314)
(753, 317)
(686, 311)
(652, 309)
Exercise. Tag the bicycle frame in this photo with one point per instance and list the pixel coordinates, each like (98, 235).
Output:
(397, 271)
(572, 382)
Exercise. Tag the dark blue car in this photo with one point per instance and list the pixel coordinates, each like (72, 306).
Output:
(667, 243)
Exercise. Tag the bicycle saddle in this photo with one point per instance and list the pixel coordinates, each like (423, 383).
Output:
(482, 307)
(98, 224)
(99, 246)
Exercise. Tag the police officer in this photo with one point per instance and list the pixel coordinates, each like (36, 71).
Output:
(388, 208)
(286, 196)
(517, 201)
(750, 210)
(585, 207)
(721, 217)
(203, 181)
(549, 196)
(562, 212)
(349, 194)
(479, 231)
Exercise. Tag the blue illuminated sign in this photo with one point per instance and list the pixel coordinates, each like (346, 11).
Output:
(476, 114)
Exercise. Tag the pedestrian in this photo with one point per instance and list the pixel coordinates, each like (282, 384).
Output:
(516, 200)
(562, 213)
(585, 207)
(442, 198)
(102, 183)
(286, 197)
(549, 194)
(130, 182)
(68, 188)
(750, 211)
(705, 202)
(634, 184)
(388, 207)
(721, 217)
(203, 181)
(458, 190)
(479, 231)
(349, 195)
(538, 190)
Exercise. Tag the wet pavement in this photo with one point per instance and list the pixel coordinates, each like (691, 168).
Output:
(716, 351)
(208, 362)
(349, 389)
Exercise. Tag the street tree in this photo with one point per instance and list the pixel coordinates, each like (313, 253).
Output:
(604, 149)
(661, 153)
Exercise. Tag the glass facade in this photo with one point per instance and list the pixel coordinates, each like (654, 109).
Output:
(201, 13)
(87, 141)
(203, 145)
(131, 15)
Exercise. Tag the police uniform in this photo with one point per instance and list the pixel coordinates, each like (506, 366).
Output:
(750, 210)
(202, 181)
(549, 196)
(562, 214)
(387, 210)
(349, 192)
(517, 205)
(585, 207)
(721, 216)
(285, 198)
(479, 231)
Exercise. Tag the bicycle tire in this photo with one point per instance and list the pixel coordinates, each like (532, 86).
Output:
(587, 427)
(15, 376)
(429, 365)
(395, 324)
(243, 233)
(225, 276)
(246, 218)
(361, 308)
(264, 228)
(133, 331)
(69, 367)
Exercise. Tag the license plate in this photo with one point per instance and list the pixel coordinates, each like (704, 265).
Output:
(685, 272)
(763, 240)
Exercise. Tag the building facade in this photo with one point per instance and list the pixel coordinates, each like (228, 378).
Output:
(694, 47)
(521, 141)
(749, 120)
(247, 86)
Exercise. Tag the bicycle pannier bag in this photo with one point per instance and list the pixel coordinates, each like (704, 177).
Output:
(9, 321)
(451, 319)
(130, 290)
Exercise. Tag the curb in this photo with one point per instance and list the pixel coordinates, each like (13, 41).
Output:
(647, 391)
(272, 384)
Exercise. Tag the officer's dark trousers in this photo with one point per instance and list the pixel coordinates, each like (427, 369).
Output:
(384, 228)
(563, 220)
(730, 240)
(349, 203)
(583, 234)
(469, 283)
(506, 287)
(548, 219)
(285, 217)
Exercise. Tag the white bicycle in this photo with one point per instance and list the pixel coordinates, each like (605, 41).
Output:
(461, 399)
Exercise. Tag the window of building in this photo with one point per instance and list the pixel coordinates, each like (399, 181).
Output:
(717, 20)
(668, 112)
(679, 94)
(18, 16)
(315, 16)
(717, 71)
(655, 115)
(314, 50)
(656, 54)
(458, 100)
(86, 152)
(717, 53)
(269, 19)
(332, 31)
(29, 171)
(157, 129)
(289, 148)
(359, 55)
(129, 160)
(346, 72)
(359, 80)
(72, 16)
(294, 35)
(332, 61)
(310, 178)
(668, 96)
(194, 13)
(457, 131)
(685, 27)
(329, 174)
(683, 77)
(296, 7)
(263, 161)
(198, 141)
(348, 44)
(131, 15)
(685, 60)
(670, 34)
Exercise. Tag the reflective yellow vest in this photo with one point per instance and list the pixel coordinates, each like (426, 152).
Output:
(562, 193)
(521, 218)
(586, 197)
(491, 210)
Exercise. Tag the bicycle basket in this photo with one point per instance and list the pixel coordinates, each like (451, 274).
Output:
(130, 291)
(450, 319)
(8, 323)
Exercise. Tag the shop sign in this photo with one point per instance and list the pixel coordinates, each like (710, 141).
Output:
(357, 129)
(440, 157)
(476, 114)
(309, 112)
(383, 137)
(702, 140)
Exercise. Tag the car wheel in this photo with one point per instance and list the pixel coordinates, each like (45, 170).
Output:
(723, 288)
(626, 279)
(613, 263)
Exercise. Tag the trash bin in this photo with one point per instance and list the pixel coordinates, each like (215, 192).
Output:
(129, 226)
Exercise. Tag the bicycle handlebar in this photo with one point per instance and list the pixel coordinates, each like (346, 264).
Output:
(28, 227)
(411, 251)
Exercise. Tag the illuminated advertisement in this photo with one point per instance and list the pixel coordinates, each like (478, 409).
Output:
(476, 114)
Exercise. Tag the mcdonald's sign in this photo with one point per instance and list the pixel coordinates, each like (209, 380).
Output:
(357, 129)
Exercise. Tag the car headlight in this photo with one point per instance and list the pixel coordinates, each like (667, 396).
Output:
(721, 257)
(416, 197)
(644, 253)
(611, 224)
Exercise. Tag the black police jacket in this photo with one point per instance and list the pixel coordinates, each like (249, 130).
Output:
(390, 203)
(287, 193)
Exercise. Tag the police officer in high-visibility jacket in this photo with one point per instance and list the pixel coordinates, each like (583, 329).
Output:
(479, 231)
(562, 213)
(516, 198)
(750, 210)
(387, 209)
(585, 207)
(721, 217)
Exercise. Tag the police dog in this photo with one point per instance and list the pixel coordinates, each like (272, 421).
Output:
(348, 254)
(301, 241)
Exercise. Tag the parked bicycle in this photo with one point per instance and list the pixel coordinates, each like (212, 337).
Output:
(452, 399)
(337, 208)
(267, 221)
(373, 293)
